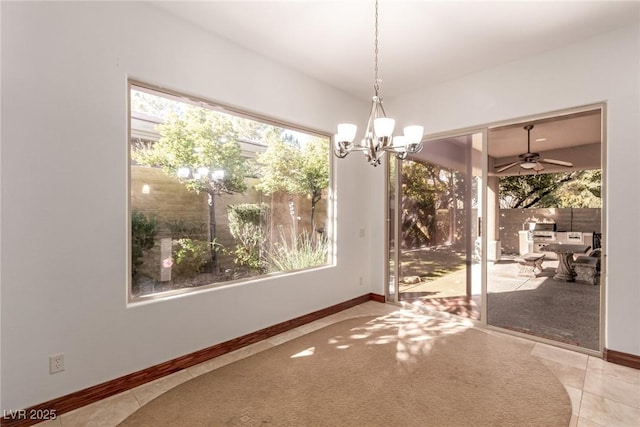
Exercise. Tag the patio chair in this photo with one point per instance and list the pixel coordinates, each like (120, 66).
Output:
(587, 267)
(597, 240)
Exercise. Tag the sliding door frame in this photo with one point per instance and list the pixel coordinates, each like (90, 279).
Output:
(602, 106)
(484, 130)
(394, 275)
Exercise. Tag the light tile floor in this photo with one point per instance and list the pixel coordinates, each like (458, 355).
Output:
(602, 394)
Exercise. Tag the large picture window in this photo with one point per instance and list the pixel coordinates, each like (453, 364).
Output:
(218, 196)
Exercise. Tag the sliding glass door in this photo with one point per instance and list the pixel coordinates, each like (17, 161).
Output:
(471, 216)
(435, 228)
(548, 282)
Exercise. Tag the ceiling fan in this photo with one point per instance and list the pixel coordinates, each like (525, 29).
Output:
(531, 160)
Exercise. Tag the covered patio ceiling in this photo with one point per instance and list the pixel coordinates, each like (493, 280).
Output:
(575, 138)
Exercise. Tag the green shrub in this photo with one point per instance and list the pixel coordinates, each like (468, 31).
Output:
(143, 233)
(302, 252)
(189, 257)
(190, 251)
(247, 224)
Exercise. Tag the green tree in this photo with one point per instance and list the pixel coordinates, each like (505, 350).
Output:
(314, 175)
(286, 167)
(427, 187)
(143, 234)
(200, 149)
(248, 130)
(153, 105)
(577, 189)
(582, 192)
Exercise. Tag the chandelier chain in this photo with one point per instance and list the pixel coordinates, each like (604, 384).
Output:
(378, 135)
(376, 83)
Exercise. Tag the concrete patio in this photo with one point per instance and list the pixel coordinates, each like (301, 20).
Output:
(566, 312)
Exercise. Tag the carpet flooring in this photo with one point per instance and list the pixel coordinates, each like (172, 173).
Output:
(397, 370)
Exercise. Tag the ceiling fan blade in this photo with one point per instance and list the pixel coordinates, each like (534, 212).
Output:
(503, 168)
(504, 164)
(538, 167)
(557, 162)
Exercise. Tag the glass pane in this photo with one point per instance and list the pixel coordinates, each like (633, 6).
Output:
(439, 222)
(217, 197)
(546, 282)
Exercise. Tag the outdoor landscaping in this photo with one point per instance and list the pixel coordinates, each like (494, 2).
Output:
(217, 197)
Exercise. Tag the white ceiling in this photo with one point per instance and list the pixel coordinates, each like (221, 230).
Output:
(422, 43)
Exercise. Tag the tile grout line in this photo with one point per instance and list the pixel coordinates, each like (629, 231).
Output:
(136, 398)
(611, 399)
(580, 403)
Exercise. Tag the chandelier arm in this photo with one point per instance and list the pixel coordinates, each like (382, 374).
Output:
(401, 155)
(340, 153)
(369, 131)
(384, 113)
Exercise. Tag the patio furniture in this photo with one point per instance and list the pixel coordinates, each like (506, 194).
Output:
(530, 264)
(565, 270)
(587, 268)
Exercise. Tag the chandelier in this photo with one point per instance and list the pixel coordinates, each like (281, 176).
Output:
(378, 136)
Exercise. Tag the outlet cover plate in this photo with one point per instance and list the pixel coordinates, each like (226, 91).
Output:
(56, 363)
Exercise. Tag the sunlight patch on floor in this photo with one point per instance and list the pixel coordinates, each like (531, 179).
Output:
(305, 353)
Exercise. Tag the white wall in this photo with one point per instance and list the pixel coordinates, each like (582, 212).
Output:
(64, 162)
(64, 193)
(604, 68)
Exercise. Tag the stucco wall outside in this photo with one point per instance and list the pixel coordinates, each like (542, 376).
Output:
(168, 200)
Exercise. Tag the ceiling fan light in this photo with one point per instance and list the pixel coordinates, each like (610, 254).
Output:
(528, 165)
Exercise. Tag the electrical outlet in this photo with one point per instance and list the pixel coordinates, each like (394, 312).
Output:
(361, 233)
(56, 363)
(361, 281)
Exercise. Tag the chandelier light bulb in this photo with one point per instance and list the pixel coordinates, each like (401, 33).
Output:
(400, 142)
(414, 133)
(347, 132)
(383, 127)
(336, 140)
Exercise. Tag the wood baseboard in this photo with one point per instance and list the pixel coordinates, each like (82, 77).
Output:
(69, 402)
(620, 358)
(377, 297)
